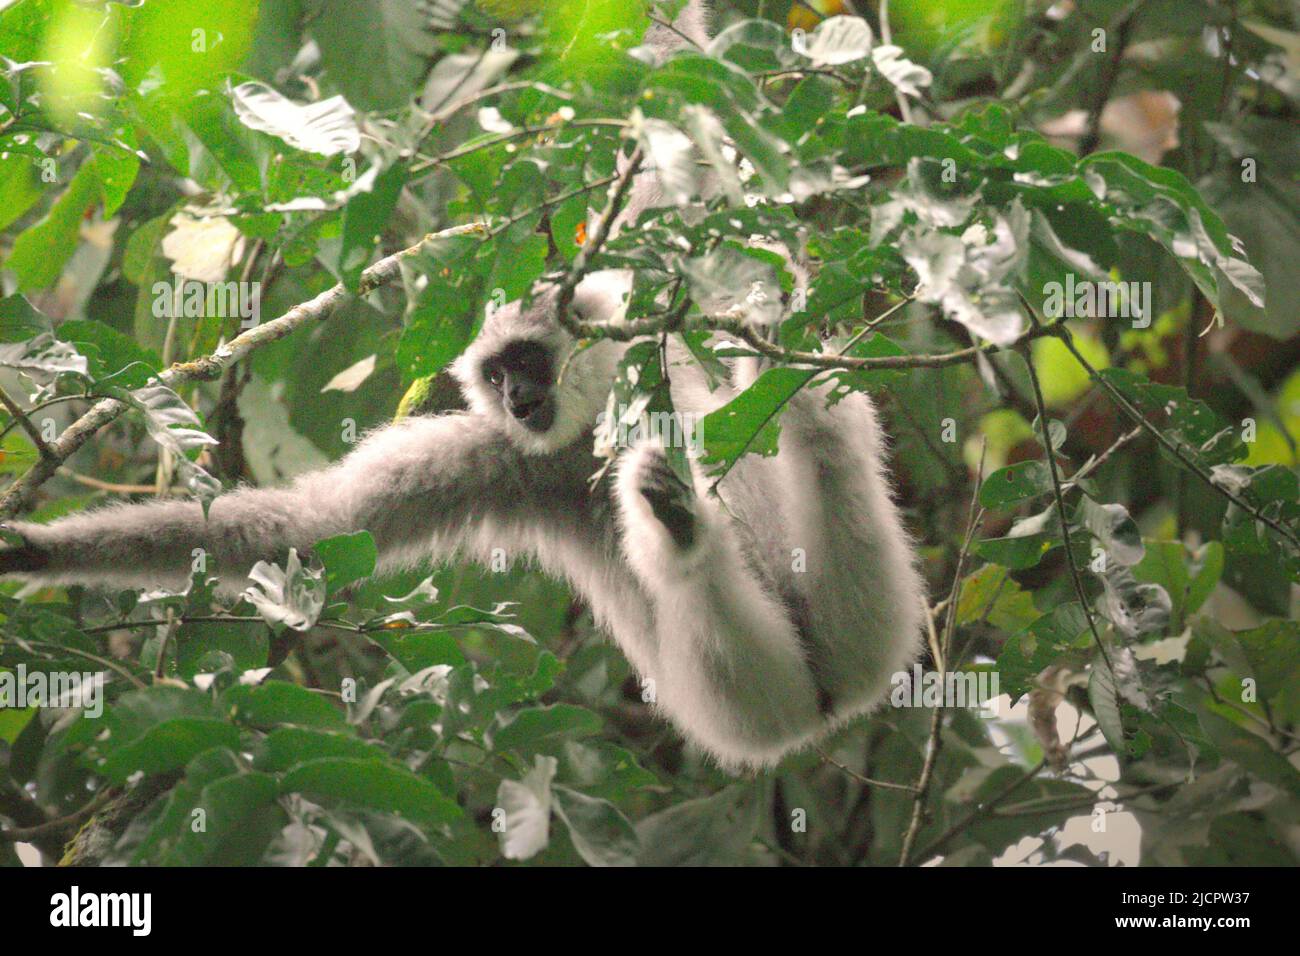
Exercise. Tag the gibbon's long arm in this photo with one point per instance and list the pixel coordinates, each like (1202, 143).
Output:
(416, 486)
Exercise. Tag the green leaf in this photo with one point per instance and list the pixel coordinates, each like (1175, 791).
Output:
(286, 747)
(364, 218)
(327, 127)
(110, 353)
(1015, 483)
(991, 591)
(1208, 569)
(191, 44)
(1250, 751)
(167, 745)
(1016, 553)
(1154, 189)
(375, 50)
(441, 325)
(537, 727)
(810, 100)
(275, 702)
(41, 252)
(157, 729)
(347, 558)
(1103, 697)
(1273, 651)
(177, 807)
(117, 170)
(1115, 529)
(417, 651)
(1164, 563)
(1025, 655)
(713, 831)
(749, 422)
(601, 835)
(19, 187)
(1180, 416)
(238, 817)
(382, 786)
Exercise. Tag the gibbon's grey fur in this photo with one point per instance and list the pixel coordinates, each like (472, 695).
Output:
(761, 620)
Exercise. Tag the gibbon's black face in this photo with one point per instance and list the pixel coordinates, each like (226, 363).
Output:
(522, 374)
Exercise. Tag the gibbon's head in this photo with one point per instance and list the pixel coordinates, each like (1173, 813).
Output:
(509, 373)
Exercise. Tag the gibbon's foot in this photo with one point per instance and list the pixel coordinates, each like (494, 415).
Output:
(670, 498)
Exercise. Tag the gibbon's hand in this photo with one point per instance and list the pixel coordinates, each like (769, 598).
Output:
(670, 498)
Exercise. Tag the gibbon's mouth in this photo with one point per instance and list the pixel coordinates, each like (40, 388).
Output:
(537, 415)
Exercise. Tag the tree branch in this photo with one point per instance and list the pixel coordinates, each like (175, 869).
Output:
(210, 367)
(45, 833)
(1109, 74)
(582, 261)
(1173, 447)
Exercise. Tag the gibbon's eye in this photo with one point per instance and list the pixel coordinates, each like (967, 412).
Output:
(496, 376)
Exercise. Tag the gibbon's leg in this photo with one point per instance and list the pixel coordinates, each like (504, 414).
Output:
(731, 670)
(857, 549)
(416, 486)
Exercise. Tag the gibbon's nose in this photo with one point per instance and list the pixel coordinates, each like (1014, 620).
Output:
(523, 397)
(529, 404)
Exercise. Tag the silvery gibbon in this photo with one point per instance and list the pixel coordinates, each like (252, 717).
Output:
(765, 614)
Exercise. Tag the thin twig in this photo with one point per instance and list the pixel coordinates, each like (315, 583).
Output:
(626, 331)
(1109, 74)
(46, 404)
(904, 110)
(108, 486)
(1045, 431)
(172, 624)
(470, 148)
(552, 202)
(1173, 447)
(103, 662)
(664, 24)
(935, 740)
(1088, 467)
(935, 845)
(444, 113)
(18, 415)
(865, 781)
(806, 71)
(1055, 804)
